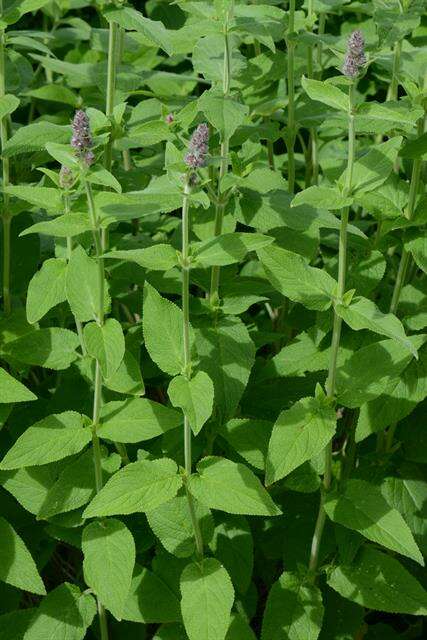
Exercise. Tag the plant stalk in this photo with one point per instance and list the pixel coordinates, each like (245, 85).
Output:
(291, 135)
(313, 132)
(109, 105)
(66, 200)
(187, 356)
(7, 300)
(336, 335)
(220, 205)
(97, 396)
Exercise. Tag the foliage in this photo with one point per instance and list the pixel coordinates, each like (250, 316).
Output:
(213, 332)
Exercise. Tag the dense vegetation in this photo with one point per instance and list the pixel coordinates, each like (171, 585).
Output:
(213, 334)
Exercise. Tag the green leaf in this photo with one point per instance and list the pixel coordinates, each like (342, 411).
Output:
(82, 286)
(136, 419)
(231, 487)
(363, 508)
(228, 248)
(290, 274)
(105, 343)
(372, 169)
(322, 198)
(378, 581)
(415, 148)
(232, 545)
(326, 93)
(223, 112)
(14, 624)
(400, 397)
(138, 487)
(67, 494)
(162, 325)
(53, 348)
(194, 396)
(63, 154)
(294, 610)
(152, 30)
(29, 485)
(128, 378)
(47, 198)
(362, 313)
(109, 559)
(53, 438)
(46, 289)
(150, 599)
(159, 257)
(227, 354)
(34, 136)
(55, 93)
(64, 614)
(17, 567)
(68, 225)
(368, 372)
(416, 244)
(299, 434)
(171, 523)
(249, 437)
(8, 104)
(104, 178)
(12, 390)
(407, 492)
(207, 598)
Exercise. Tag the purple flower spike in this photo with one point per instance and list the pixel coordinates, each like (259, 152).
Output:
(81, 140)
(198, 147)
(355, 57)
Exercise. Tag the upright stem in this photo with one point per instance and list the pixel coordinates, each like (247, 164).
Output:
(290, 138)
(66, 199)
(320, 31)
(111, 87)
(394, 84)
(7, 303)
(405, 257)
(97, 396)
(109, 105)
(220, 205)
(187, 356)
(313, 132)
(336, 335)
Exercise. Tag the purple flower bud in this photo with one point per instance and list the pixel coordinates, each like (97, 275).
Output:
(198, 147)
(66, 177)
(355, 57)
(81, 140)
(169, 118)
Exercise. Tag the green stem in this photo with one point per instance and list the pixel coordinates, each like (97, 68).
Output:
(320, 31)
(97, 396)
(336, 335)
(111, 88)
(187, 356)
(314, 162)
(109, 105)
(66, 199)
(7, 301)
(290, 137)
(220, 205)
(394, 84)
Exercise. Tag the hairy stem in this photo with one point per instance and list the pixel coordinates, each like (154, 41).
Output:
(187, 356)
(7, 301)
(109, 105)
(66, 200)
(220, 205)
(313, 132)
(336, 335)
(97, 396)
(291, 135)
